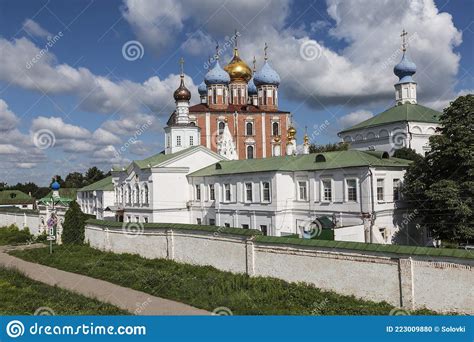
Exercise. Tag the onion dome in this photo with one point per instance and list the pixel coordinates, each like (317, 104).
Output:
(266, 75)
(202, 88)
(55, 185)
(291, 133)
(217, 75)
(237, 69)
(252, 88)
(405, 70)
(182, 93)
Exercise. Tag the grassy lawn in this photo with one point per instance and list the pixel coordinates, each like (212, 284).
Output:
(204, 286)
(20, 295)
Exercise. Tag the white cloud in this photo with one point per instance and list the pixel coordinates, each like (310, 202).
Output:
(60, 128)
(95, 93)
(8, 149)
(359, 73)
(198, 43)
(354, 118)
(8, 119)
(35, 29)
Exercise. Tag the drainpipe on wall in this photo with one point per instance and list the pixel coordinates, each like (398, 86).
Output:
(372, 216)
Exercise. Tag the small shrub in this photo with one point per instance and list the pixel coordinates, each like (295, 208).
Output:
(12, 235)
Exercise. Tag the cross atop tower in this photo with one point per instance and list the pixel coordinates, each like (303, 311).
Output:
(236, 34)
(404, 40)
(181, 63)
(265, 50)
(254, 64)
(217, 49)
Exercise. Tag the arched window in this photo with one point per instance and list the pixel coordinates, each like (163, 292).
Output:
(137, 194)
(248, 128)
(146, 195)
(250, 152)
(221, 127)
(129, 194)
(275, 128)
(214, 96)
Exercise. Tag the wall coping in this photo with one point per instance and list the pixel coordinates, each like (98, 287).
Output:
(178, 226)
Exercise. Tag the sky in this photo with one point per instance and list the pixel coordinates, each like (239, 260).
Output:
(90, 83)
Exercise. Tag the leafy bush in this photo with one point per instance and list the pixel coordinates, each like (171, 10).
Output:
(11, 235)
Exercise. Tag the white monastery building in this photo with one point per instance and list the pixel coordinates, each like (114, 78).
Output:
(355, 194)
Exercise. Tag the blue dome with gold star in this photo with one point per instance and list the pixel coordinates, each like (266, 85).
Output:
(266, 75)
(405, 70)
(217, 75)
(55, 185)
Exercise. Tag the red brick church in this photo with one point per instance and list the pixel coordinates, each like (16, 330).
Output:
(245, 103)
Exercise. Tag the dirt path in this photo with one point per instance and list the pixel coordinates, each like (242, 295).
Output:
(136, 302)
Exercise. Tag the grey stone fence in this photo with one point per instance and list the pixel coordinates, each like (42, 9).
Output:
(409, 277)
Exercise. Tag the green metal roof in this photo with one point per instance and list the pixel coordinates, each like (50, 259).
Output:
(66, 195)
(306, 162)
(157, 159)
(104, 184)
(401, 113)
(15, 197)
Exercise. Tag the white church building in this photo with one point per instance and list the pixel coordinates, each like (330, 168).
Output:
(407, 124)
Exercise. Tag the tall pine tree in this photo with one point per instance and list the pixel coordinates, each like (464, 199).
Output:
(441, 185)
(73, 226)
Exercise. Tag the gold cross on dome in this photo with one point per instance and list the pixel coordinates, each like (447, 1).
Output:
(404, 40)
(254, 63)
(265, 50)
(181, 62)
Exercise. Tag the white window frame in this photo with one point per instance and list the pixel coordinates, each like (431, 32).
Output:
(213, 192)
(355, 187)
(262, 194)
(197, 192)
(323, 195)
(224, 193)
(247, 199)
(299, 190)
(377, 189)
(178, 140)
(399, 187)
(247, 151)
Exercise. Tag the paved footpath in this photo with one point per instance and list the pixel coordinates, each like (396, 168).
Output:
(136, 302)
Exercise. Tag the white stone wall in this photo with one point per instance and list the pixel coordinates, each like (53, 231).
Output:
(21, 220)
(441, 284)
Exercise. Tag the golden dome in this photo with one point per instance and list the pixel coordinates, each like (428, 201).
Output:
(291, 133)
(237, 69)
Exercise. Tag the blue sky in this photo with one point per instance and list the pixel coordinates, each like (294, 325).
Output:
(335, 59)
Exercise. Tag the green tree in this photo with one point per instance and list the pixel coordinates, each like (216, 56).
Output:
(93, 175)
(440, 185)
(407, 153)
(73, 226)
(58, 179)
(342, 146)
(74, 180)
